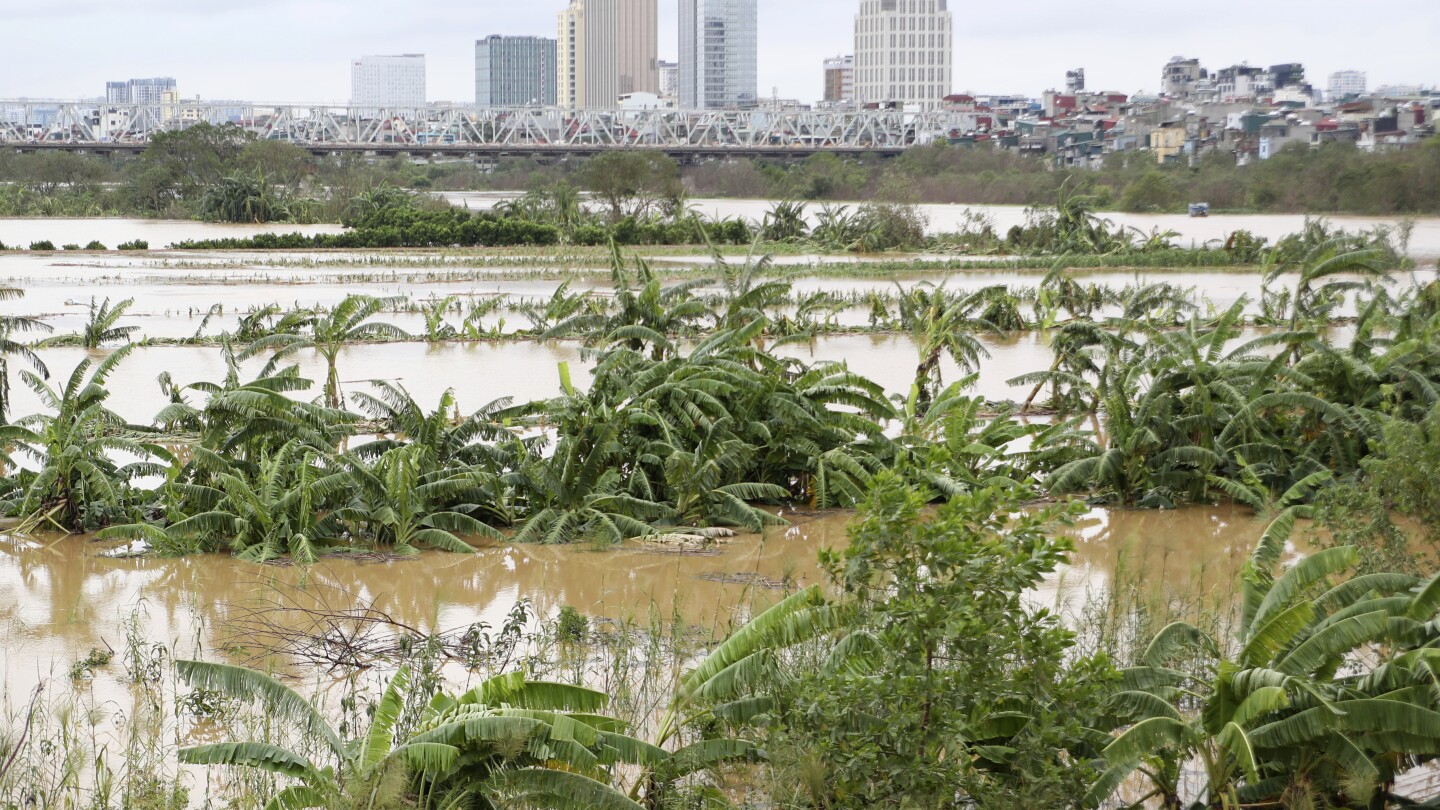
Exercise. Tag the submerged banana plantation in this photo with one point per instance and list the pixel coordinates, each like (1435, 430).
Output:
(926, 674)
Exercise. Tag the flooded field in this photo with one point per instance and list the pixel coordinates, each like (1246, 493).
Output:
(159, 233)
(65, 598)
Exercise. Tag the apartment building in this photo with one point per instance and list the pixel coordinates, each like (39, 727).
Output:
(515, 72)
(606, 49)
(388, 81)
(839, 79)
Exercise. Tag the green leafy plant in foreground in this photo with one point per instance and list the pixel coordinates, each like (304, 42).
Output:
(1322, 699)
(535, 742)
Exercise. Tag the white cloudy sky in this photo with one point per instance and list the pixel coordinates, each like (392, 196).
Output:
(299, 50)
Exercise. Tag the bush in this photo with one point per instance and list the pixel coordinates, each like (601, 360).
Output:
(43, 244)
(138, 244)
(891, 227)
(95, 245)
(1152, 192)
(70, 247)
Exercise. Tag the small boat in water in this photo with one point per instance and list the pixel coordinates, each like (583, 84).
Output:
(1199, 209)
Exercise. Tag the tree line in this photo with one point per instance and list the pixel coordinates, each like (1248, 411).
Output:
(225, 174)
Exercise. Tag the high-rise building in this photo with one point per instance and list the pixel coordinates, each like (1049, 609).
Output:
(570, 57)
(904, 52)
(1074, 81)
(1346, 84)
(388, 81)
(719, 54)
(515, 72)
(839, 79)
(607, 48)
(140, 91)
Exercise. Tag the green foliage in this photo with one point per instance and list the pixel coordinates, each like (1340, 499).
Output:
(1395, 484)
(944, 683)
(78, 486)
(351, 320)
(1153, 191)
(100, 327)
(507, 740)
(246, 198)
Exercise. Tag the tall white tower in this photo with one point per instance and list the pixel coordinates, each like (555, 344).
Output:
(904, 52)
(388, 81)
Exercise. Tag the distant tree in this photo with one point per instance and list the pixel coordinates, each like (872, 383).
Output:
(632, 183)
(48, 172)
(182, 164)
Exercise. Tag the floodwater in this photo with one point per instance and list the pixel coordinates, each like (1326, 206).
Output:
(1193, 231)
(59, 598)
(177, 308)
(111, 232)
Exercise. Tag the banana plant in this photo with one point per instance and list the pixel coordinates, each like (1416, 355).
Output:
(400, 503)
(79, 485)
(100, 327)
(351, 321)
(508, 739)
(10, 325)
(261, 517)
(1307, 702)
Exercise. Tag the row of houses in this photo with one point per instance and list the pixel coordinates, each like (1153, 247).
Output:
(1080, 129)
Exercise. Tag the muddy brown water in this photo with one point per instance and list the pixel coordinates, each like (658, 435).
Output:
(61, 597)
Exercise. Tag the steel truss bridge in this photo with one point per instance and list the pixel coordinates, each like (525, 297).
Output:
(30, 125)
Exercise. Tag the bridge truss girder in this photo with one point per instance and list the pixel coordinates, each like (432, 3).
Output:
(319, 126)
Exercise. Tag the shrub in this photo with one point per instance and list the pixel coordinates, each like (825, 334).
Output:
(70, 247)
(138, 244)
(44, 244)
(96, 245)
(1152, 192)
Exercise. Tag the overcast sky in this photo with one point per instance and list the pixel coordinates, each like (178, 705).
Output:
(299, 50)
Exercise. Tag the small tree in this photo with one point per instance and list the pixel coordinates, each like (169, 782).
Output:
(950, 690)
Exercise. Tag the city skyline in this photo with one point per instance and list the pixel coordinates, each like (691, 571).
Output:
(271, 50)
